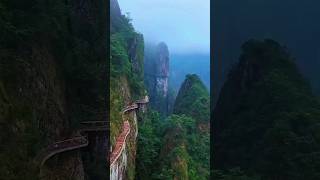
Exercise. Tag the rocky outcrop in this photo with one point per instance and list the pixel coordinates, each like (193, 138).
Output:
(156, 77)
(35, 94)
(46, 76)
(162, 60)
(68, 166)
(162, 70)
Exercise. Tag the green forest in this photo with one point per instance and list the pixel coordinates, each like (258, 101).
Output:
(177, 146)
(171, 139)
(266, 119)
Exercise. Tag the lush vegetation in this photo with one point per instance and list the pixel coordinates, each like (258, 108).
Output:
(124, 63)
(193, 99)
(126, 79)
(167, 148)
(178, 146)
(149, 144)
(123, 75)
(266, 119)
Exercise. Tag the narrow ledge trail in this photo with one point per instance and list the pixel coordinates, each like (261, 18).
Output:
(121, 139)
(71, 143)
(81, 141)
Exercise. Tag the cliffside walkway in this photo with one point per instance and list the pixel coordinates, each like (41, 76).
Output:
(120, 144)
(121, 139)
(72, 143)
(82, 141)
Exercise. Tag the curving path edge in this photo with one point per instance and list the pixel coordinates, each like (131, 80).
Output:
(121, 139)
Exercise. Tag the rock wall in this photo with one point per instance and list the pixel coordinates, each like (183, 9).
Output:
(67, 166)
(47, 73)
(156, 77)
(36, 113)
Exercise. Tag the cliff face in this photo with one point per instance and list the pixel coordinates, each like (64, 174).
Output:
(266, 116)
(47, 73)
(156, 77)
(34, 110)
(162, 70)
(126, 86)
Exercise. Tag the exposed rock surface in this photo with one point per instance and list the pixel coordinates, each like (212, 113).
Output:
(46, 74)
(66, 166)
(162, 60)
(156, 77)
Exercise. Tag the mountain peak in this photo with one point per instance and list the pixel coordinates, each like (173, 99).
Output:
(193, 99)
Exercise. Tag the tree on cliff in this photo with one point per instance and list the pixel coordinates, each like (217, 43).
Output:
(266, 118)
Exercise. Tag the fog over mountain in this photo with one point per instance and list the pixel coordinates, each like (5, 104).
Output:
(183, 24)
(181, 65)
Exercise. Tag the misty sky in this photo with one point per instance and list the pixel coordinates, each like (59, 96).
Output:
(183, 24)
